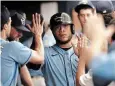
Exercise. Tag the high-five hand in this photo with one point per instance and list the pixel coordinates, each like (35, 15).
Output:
(36, 28)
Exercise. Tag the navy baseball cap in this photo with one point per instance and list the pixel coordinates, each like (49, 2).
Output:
(18, 21)
(5, 15)
(82, 5)
(104, 7)
(13, 12)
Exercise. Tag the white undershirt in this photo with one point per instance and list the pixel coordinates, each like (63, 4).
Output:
(86, 80)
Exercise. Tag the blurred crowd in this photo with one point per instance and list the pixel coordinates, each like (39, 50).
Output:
(77, 51)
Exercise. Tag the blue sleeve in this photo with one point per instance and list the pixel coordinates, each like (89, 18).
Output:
(20, 53)
(104, 66)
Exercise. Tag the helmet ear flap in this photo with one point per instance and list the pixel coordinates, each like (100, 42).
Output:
(72, 29)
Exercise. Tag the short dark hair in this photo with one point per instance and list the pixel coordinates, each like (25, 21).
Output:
(112, 22)
(78, 8)
(5, 14)
(107, 18)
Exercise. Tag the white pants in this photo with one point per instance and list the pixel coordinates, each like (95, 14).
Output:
(38, 81)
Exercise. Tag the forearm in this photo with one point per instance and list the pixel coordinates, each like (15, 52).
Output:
(81, 70)
(25, 76)
(37, 56)
(39, 45)
(38, 51)
(95, 49)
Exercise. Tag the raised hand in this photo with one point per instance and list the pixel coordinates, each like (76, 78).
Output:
(36, 28)
(94, 27)
(81, 44)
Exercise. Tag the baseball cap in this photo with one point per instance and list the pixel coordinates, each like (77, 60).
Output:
(18, 21)
(28, 22)
(5, 15)
(13, 12)
(104, 7)
(114, 7)
(60, 18)
(83, 4)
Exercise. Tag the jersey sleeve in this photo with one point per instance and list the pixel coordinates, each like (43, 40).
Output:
(20, 53)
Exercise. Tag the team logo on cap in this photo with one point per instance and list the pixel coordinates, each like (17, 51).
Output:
(104, 11)
(57, 19)
(23, 20)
